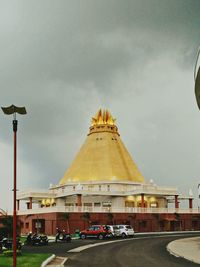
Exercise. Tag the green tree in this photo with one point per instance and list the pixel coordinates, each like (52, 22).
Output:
(87, 218)
(110, 217)
(6, 229)
(66, 217)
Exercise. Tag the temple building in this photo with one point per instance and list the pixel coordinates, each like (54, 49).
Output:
(103, 185)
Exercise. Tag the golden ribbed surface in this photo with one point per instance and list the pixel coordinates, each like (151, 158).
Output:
(103, 157)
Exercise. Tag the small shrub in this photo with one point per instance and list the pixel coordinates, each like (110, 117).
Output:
(9, 253)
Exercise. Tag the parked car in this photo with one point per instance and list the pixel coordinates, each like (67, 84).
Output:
(98, 231)
(114, 230)
(126, 230)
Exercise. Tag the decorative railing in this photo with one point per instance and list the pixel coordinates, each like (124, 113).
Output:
(113, 191)
(105, 209)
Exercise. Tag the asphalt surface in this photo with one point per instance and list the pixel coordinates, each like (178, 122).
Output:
(146, 251)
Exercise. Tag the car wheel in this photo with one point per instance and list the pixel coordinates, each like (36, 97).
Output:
(83, 236)
(100, 236)
(123, 235)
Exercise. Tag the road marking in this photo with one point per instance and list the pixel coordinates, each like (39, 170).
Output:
(81, 248)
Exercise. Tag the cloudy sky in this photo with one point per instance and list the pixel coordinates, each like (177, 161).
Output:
(65, 59)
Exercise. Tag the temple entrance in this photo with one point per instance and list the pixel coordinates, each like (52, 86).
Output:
(195, 225)
(170, 225)
(175, 225)
(143, 226)
(38, 226)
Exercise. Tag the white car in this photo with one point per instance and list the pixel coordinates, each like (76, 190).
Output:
(126, 230)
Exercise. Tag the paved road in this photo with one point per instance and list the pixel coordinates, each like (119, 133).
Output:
(136, 252)
(133, 253)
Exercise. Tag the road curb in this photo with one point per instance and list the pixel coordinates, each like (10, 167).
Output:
(171, 251)
(174, 249)
(167, 233)
(64, 261)
(48, 260)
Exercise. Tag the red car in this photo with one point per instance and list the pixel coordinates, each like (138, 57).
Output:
(98, 231)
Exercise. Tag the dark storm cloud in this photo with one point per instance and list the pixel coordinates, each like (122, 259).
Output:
(62, 40)
(65, 59)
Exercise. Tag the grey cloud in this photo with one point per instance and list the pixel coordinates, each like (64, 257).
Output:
(65, 59)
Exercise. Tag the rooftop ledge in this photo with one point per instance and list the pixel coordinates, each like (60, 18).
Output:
(47, 194)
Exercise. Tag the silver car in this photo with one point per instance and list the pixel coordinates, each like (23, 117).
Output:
(114, 229)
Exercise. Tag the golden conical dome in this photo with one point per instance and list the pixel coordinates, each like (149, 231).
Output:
(103, 156)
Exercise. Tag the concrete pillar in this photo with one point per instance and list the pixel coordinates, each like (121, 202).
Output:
(176, 202)
(190, 203)
(79, 200)
(142, 200)
(31, 203)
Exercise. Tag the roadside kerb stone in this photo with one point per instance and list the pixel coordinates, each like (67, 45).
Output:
(54, 261)
(57, 262)
(48, 260)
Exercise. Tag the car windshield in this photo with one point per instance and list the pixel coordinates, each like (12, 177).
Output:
(128, 227)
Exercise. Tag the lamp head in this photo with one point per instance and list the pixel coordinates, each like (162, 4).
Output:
(14, 109)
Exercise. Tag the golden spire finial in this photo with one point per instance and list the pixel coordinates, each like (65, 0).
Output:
(103, 117)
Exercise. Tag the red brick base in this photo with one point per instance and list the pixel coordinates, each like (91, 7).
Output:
(142, 222)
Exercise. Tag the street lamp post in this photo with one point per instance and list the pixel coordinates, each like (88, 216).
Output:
(8, 111)
(198, 195)
(197, 79)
